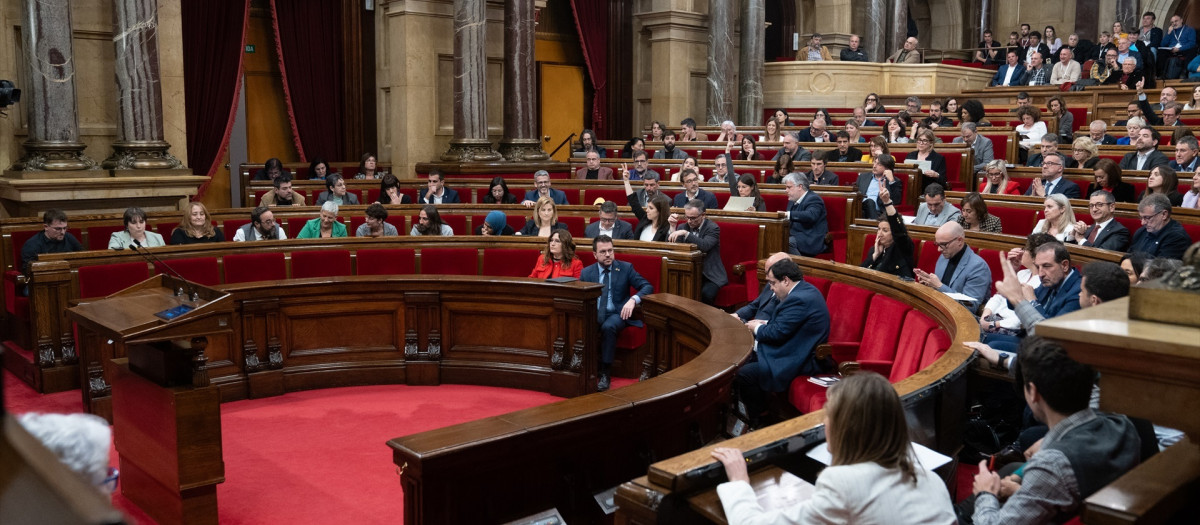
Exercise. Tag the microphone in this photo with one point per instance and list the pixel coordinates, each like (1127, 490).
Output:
(192, 294)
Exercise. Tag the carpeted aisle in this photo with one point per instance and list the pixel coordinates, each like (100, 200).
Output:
(318, 456)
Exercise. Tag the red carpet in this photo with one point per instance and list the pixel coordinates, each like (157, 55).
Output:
(318, 456)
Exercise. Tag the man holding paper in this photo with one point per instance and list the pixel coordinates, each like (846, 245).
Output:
(959, 270)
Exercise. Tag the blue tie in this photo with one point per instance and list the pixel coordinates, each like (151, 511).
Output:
(602, 307)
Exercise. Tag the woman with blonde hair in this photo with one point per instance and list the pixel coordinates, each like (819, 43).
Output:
(1085, 152)
(544, 220)
(196, 227)
(874, 476)
(771, 131)
(996, 180)
(1059, 218)
(558, 258)
(878, 146)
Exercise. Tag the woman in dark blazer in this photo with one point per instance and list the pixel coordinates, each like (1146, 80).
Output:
(652, 220)
(1108, 178)
(937, 162)
(893, 249)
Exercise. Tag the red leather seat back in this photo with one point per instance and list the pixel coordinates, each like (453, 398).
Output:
(882, 329)
(386, 262)
(820, 283)
(98, 236)
(200, 270)
(107, 279)
(911, 345)
(847, 311)
(509, 262)
(449, 261)
(739, 244)
(935, 346)
(1014, 221)
(320, 263)
(253, 267)
(927, 259)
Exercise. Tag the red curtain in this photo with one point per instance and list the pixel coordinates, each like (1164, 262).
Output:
(591, 20)
(310, 58)
(214, 34)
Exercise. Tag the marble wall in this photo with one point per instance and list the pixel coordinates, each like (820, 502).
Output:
(95, 82)
(792, 84)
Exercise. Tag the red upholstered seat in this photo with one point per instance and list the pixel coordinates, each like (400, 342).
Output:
(386, 262)
(98, 236)
(449, 261)
(911, 345)
(295, 224)
(835, 217)
(775, 202)
(355, 222)
(880, 332)
(107, 279)
(1015, 221)
(575, 225)
(739, 245)
(166, 228)
(509, 262)
(992, 258)
(587, 256)
(14, 303)
(609, 194)
(230, 227)
(200, 270)
(1193, 231)
(847, 311)
(935, 346)
(820, 283)
(252, 267)
(320, 263)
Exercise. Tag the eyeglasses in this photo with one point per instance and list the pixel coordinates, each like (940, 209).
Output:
(59, 229)
(944, 245)
(110, 481)
(1051, 164)
(1149, 217)
(924, 141)
(1098, 205)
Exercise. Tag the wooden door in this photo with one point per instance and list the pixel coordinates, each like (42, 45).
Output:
(561, 89)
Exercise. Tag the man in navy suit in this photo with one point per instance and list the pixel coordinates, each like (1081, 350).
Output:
(785, 342)
(1147, 157)
(438, 193)
(1052, 180)
(1160, 235)
(692, 190)
(1185, 155)
(1058, 295)
(609, 224)
(706, 235)
(1011, 73)
(615, 305)
(959, 269)
(806, 212)
(541, 179)
(764, 306)
(1105, 232)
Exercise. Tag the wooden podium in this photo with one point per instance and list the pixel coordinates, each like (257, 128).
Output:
(166, 416)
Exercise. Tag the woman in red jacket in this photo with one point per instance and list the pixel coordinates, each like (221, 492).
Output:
(558, 259)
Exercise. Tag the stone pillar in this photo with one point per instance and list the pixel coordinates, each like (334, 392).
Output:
(140, 143)
(985, 22)
(1128, 15)
(875, 35)
(720, 61)
(49, 93)
(520, 129)
(899, 24)
(470, 142)
(750, 92)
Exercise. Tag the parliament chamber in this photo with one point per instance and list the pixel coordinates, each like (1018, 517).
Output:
(268, 318)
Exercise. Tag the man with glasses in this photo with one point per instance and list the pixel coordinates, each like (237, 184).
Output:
(53, 239)
(693, 191)
(641, 167)
(262, 227)
(1104, 233)
(1179, 47)
(1049, 148)
(541, 179)
(959, 269)
(1052, 180)
(981, 145)
(806, 214)
(860, 115)
(615, 305)
(721, 169)
(706, 235)
(609, 224)
(1160, 235)
(1147, 156)
(1098, 131)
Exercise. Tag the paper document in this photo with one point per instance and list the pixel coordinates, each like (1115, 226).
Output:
(961, 297)
(930, 459)
(923, 165)
(788, 491)
(739, 204)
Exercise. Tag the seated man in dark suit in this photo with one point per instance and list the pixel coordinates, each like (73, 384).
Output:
(692, 190)
(1011, 73)
(806, 213)
(1058, 294)
(541, 178)
(785, 343)
(706, 235)
(844, 152)
(53, 239)
(868, 186)
(1052, 180)
(1049, 147)
(818, 175)
(1098, 131)
(437, 192)
(1185, 160)
(615, 305)
(1147, 156)
(1104, 233)
(1160, 235)
(609, 224)
(959, 269)
(764, 306)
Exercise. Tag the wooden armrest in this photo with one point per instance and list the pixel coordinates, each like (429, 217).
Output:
(823, 351)
(848, 367)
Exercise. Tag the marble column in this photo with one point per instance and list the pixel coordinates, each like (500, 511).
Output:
(985, 21)
(899, 25)
(720, 61)
(470, 142)
(750, 92)
(49, 93)
(520, 140)
(875, 35)
(140, 143)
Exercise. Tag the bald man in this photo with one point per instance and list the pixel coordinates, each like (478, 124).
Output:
(907, 54)
(959, 269)
(762, 307)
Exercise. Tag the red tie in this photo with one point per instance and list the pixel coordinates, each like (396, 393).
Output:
(1092, 237)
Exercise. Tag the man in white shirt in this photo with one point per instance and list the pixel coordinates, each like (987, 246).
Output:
(262, 227)
(1147, 156)
(1105, 233)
